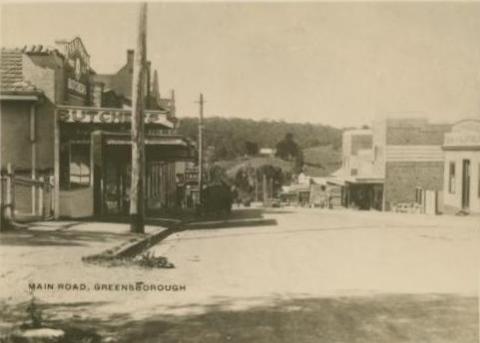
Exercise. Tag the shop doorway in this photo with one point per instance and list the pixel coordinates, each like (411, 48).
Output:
(159, 184)
(116, 196)
(466, 184)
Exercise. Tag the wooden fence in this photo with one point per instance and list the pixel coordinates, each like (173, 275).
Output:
(24, 198)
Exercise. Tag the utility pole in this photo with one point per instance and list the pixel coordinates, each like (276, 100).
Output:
(137, 190)
(200, 152)
(256, 184)
(264, 188)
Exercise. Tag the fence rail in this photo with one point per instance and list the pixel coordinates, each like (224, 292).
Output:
(24, 198)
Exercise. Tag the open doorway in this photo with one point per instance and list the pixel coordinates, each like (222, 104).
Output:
(466, 184)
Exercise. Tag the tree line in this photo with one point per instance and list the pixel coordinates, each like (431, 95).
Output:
(234, 137)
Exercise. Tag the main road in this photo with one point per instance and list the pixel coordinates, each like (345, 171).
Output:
(313, 252)
(310, 275)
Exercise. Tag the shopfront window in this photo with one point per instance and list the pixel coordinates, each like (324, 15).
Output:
(79, 165)
(451, 178)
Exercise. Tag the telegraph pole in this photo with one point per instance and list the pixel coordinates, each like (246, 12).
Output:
(137, 190)
(200, 152)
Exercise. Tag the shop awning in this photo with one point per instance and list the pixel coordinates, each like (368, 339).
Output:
(118, 139)
(158, 147)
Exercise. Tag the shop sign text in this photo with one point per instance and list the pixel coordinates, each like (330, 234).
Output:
(77, 86)
(106, 116)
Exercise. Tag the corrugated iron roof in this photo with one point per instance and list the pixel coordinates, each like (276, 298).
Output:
(39, 49)
(11, 73)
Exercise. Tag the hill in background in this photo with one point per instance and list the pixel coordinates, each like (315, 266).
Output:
(321, 160)
(228, 136)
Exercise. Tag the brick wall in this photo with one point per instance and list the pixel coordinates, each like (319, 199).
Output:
(48, 72)
(40, 71)
(402, 178)
(415, 132)
(45, 135)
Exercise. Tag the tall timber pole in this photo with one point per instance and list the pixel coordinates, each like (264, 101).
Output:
(200, 152)
(137, 190)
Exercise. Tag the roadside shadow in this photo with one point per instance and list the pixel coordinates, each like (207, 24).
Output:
(247, 213)
(244, 217)
(32, 237)
(277, 211)
(378, 318)
(229, 224)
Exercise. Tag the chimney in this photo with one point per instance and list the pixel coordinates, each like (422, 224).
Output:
(172, 103)
(155, 87)
(61, 44)
(130, 53)
(97, 94)
(148, 83)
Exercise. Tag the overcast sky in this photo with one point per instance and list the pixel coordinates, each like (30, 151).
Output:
(333, 63)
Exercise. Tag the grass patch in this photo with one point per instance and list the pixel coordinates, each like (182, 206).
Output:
(145, 260)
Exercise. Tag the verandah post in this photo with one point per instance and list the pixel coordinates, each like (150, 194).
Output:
(41, 188)
(10, 194)
(137, 191)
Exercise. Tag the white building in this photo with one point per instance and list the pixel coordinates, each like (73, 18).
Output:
(362, 188)
(357, 153)
(461, 169)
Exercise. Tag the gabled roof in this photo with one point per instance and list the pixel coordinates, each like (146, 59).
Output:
(106, 79)
(11, 74)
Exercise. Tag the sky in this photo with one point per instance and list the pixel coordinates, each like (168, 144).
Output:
(340, 64)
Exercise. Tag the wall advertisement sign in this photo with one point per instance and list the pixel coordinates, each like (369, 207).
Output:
(464, 134)
(460, 139)
(78, 66)
(77, 87)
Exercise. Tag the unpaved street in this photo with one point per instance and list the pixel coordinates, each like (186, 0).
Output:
(280, 282)
(321, 252)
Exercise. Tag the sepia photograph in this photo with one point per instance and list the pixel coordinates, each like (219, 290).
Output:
(224, 171)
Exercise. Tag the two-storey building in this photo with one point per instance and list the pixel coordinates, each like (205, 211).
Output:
(60, 119)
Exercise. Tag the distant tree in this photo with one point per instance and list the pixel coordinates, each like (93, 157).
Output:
(251, 148)
(276, 174)
(245, 184)
(221, 153)
(287, 149)
(210, 154)
(216, 174)
(299, 162)
(313, 142)
(337, 145)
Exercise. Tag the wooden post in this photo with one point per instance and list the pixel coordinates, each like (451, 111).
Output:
(40, 197)
(264, 187)
(10, 196)
(200, 152)
(137, 191)
(3, 222)
(56, 168)
(51, 193)
(271, 188)
(256, 185)
(97, 171)
(33, 140)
